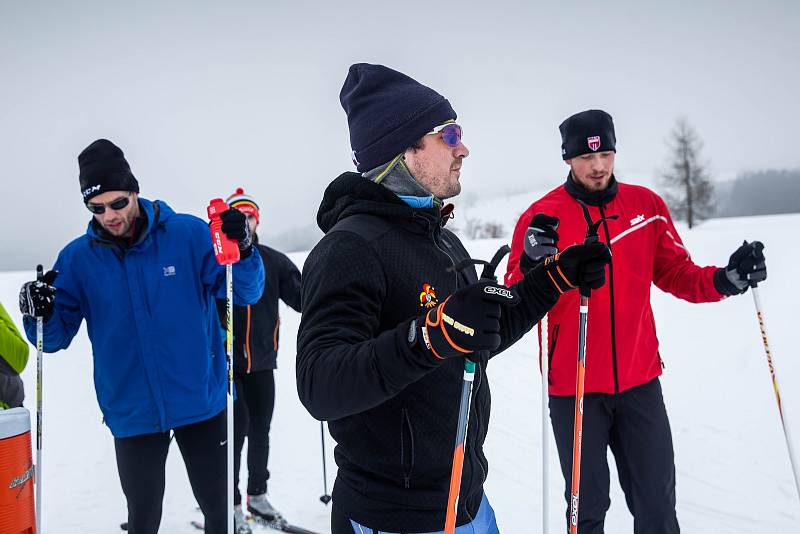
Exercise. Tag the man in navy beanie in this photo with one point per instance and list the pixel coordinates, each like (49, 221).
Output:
(388, 318)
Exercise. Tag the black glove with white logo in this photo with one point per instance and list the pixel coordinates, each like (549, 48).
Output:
(468, 321)
(746, 266)
(541, 240)
(234, 225)
(38, 298)
(576, 266)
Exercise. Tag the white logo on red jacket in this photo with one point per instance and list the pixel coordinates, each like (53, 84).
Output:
(636, 220)
(594, 142)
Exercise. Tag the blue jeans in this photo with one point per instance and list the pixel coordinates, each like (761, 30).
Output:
(484, 523)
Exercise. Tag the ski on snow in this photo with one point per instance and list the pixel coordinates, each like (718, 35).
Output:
(276, 524)
(281, 525)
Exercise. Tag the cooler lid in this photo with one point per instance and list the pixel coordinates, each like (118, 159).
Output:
(14, 422)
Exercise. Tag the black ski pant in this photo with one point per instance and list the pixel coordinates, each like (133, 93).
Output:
(141, 462)
(252, 416)
(635, 426)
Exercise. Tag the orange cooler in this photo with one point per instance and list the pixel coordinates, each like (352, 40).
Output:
(17, 509)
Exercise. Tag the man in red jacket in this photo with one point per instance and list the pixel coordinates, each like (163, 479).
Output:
(623, 406)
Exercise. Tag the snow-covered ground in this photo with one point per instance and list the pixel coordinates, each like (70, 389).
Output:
(733, 469)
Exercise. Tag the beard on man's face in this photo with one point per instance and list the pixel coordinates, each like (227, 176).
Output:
(120, 225)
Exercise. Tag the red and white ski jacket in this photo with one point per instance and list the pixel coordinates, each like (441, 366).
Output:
(621, 344)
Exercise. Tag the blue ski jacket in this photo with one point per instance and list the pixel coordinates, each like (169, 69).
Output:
(159, 357)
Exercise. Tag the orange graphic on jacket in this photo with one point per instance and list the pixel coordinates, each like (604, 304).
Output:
(427, 298)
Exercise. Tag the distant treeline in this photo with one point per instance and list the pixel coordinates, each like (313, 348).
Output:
(759, 193)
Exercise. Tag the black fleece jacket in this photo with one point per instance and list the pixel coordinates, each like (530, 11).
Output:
(256, 328)
(391, 404)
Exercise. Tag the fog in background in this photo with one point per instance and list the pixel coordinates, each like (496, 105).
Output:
(760, 193)
(204, 98)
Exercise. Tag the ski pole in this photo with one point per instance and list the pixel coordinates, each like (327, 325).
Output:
(227, 253)
(577, 432)
(762, 325)
(458, 453)
(544, 355)
(229, 398)
(463, 411)
(325, 498)
(577, 435)
(39, 350)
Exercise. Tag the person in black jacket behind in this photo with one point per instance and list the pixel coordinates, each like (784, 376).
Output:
(255, 351)
(387, 316)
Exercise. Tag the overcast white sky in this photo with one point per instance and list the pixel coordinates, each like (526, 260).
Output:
(203, 98)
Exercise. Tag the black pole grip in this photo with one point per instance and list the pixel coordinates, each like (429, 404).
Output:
(750, 283)
(591, 235)
(490, 268)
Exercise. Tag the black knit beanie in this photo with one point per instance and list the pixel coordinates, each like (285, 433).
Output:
(585, 132)
(103, 168)
(387, 112)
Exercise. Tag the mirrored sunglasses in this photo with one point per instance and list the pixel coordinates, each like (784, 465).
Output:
(116, 205)
(451, 133)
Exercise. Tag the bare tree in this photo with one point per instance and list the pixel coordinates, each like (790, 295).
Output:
(688, 188)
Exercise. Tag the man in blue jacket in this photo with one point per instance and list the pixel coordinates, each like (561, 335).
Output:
(145, 279)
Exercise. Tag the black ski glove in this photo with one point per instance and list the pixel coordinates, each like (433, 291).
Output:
(38, 298)
(234, 225)
(746, 265)
(541, 239)
(467, 321)
(576, 266)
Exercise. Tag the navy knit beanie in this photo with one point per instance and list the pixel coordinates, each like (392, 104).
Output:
(103, 167)
(387, 112)
(585, 132)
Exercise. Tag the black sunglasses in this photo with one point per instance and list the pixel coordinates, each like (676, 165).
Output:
(118, 204)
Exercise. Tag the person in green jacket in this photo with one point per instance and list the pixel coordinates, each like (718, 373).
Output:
(13, 358)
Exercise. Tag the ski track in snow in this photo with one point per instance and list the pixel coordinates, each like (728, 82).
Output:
(733, 472)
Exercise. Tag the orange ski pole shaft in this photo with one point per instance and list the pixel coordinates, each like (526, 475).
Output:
(463, 412)
(458, 453)
(577, 436)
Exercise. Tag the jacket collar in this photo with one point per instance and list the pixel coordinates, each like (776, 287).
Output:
(397, 178)
(351, 194)
(592, 198)
(152, 215)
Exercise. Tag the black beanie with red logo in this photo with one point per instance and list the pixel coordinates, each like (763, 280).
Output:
(585, 132)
